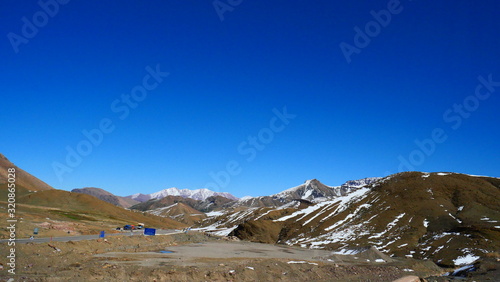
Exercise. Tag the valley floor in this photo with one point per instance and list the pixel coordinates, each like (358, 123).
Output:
(196, 257)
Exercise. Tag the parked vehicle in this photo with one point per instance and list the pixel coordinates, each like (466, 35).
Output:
(133, 227)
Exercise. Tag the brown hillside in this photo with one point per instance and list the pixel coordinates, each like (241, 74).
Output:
(56, 212)
(24, 180)
(180, 212)
(207, 205)
(437, 216)
(164, 202)
(175, 207)
(91, 206)
(106, 196)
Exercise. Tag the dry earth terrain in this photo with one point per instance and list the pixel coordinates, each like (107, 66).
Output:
(197, 257)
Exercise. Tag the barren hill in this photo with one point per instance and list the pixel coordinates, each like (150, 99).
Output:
(56, 212)
(447, 217)
(179, 212)
(24, 180)
(182, 209)
(89, 206)
(107, 196)
(155, 204)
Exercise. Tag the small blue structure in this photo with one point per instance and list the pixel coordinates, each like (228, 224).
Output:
(102, 234)
(150, 231)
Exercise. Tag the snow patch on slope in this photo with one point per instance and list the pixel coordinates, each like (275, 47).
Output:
(467, 259)
(389, 227)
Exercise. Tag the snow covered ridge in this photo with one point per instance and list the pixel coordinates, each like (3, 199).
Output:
(245, 198)
(360, 183)
(427, 174)
(384, 213)
(198, 194)
(313, 189)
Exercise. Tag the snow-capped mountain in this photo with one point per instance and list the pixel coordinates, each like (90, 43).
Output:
(314, 190)
(311, 190)
(198, 194)
(450, 218)
(356, 184)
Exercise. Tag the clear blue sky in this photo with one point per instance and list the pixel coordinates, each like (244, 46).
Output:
(352, 120)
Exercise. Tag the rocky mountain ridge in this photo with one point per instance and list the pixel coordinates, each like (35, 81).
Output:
(198, 194)
(449, 218)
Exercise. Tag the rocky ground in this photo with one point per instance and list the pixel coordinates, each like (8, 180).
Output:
(196, 257)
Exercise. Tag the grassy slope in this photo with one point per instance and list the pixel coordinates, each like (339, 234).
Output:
(23, 178)
(90, 206)
(80, 213)
(63, 211)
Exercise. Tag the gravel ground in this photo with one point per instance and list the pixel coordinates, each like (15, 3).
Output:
(196, 257)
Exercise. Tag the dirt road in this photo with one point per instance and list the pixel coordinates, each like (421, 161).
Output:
(90, 237)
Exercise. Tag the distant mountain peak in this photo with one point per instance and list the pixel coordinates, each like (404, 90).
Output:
(360, 182)
(106, 196)
(198, 194)
(312, 182)
(313, 189)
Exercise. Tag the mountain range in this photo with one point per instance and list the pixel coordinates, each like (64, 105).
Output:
(56, 212)
(449, 218)
(198, 194)
(311, 190)
(106, 196)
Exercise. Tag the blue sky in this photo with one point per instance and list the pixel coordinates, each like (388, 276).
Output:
(413, 81)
